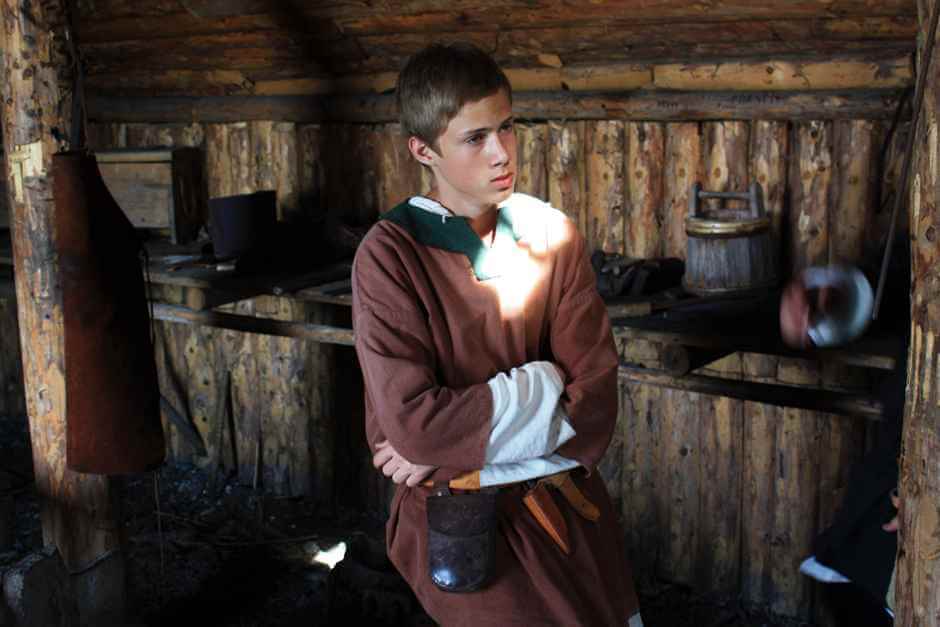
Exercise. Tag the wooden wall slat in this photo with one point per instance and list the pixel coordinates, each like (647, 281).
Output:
(721, 428)
(566, 167)
(399, 175)
(313, 173)
(531, 157)
(645, 158)
(681, 455)
(645, 501)
(809, 188)
(683, 167)
(605, 185)
(797, 485)
(850, 213)
(769, 155)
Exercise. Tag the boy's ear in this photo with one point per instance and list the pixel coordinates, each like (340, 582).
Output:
(421, 150)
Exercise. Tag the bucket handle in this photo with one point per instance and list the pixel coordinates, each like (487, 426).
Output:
(754, 197)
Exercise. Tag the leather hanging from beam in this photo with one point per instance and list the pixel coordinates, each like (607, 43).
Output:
(112, 396)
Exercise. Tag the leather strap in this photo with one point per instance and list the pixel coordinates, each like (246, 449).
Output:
(575, 497)
(542, 506)
(467, 481)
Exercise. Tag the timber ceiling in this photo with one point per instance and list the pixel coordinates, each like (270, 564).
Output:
(284, 47)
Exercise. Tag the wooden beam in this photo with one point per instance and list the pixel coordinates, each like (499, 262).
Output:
(80, 512)
(503, 15)
(891, 70)
(643, 105)
(521, 11)
(782, 395)
(679, 360)
(250, 324)
(848, 73)
(917, 595)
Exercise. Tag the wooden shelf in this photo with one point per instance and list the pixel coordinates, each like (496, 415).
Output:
(690, 334)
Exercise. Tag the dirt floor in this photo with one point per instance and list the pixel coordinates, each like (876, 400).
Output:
(213, 552)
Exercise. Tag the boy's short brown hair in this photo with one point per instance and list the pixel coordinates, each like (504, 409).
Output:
(440, 79)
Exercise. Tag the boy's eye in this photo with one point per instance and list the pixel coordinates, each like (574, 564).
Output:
(474, 139)
(508, 126)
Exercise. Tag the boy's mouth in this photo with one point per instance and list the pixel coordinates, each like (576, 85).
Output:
(503, 180)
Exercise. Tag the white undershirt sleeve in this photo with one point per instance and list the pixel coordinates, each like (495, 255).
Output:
(528, 421)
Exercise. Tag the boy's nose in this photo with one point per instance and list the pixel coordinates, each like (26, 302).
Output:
(499, 152)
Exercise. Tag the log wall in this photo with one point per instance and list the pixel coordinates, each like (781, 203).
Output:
(720, 494)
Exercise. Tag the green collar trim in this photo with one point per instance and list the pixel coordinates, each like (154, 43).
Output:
(453, 233)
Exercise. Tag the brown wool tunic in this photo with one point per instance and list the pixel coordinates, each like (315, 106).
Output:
(429, 334)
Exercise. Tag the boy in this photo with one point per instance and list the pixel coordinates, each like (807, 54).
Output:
(489, 366)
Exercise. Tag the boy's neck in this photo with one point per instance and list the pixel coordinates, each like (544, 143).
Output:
(483, 222)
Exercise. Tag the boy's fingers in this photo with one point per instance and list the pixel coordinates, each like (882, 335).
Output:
(420, 474)
(892, 525)
(382, 456)
(401, 474)
(390, 466)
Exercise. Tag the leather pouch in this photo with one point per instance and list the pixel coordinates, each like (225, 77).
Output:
(461, 537)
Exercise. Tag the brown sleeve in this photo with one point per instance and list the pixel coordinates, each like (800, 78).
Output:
(583, 346)
(425, 421)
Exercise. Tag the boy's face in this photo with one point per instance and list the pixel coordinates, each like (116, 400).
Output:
(475, 164)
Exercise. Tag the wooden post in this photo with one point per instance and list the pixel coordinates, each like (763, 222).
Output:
(80, 514)
(917, 594)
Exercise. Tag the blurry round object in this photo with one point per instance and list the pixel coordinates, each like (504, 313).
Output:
(845, 304)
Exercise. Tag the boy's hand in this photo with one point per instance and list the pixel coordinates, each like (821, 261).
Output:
(892, 525)
(397, 467)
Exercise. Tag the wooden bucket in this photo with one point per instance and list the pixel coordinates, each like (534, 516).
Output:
(729, 251)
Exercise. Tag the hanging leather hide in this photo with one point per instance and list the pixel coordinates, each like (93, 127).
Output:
(112, 396)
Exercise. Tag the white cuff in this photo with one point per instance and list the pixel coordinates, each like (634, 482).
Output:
(528, 421)
(500, 474)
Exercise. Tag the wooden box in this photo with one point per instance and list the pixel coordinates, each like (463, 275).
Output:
(158, 188)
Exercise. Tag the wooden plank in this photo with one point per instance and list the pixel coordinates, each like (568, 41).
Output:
(869, 352)
(768, 166)
(312, 171)
(645, 154)
(681, 459)
(249, 324)
(399, 174)
(566, 170)
(759, 472)
(531, 154)
(721, 427)
(568, 12)
(849, 215)
(640, 105)
(798, 75)
(794, 398)
(579, 42)
(175, 25)
(681, 447)
(280, 387)
(645, 498)
(604, 185)
(221, 51)
(275, 164)
(810, 177)
(428, 18)
(606, 72)
(683, 167)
